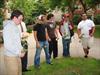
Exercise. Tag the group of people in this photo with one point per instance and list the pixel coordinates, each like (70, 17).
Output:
(46, 37)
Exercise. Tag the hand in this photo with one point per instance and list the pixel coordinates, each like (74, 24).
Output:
(57, 39)
(49, 39)
(80, 36)
(22, 54)
(25, 35)
(37, 45)
(91, 34)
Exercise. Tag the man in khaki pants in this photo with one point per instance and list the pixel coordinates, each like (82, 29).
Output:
(12, 43)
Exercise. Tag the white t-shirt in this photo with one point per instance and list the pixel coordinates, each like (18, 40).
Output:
(85, 26)
(24, 28)
(65, 30)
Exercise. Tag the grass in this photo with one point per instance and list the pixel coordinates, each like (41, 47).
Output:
(97, 32)
(68, 66)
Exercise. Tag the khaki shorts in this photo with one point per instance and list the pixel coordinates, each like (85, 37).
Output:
(13, 65)
(87, 42)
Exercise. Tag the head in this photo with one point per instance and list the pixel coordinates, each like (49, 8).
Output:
(84, 16)
(17, 16)
(41, 17)
(50, 17)
(65, 17)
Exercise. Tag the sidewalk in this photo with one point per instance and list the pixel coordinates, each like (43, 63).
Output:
(75, 51)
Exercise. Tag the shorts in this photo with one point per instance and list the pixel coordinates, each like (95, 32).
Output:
(87, 42)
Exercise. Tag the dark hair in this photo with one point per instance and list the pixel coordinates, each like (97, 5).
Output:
(83, 14)
(49, 16)
(16, 13)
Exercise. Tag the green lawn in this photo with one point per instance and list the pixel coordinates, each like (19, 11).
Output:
(68, 66)
(97, 32)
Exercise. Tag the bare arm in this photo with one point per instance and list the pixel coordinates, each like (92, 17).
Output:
(79, 33)
(47, 36)
(93, 30)
(37, 42)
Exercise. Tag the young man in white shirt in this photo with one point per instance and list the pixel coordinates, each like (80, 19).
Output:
(24, 36)
(86, 29)
(12, 44)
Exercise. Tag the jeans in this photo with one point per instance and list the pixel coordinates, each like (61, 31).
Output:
(45, 45)
(66, 47)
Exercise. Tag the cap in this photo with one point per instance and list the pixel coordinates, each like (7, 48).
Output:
(40, 17)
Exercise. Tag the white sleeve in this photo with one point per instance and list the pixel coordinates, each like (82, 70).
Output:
(79, 26)
(92, 23)
(24, 27)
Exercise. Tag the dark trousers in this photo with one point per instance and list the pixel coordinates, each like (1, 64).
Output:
(24, 61)
(53, 47)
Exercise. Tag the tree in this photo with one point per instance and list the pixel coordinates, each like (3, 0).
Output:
(26, 6)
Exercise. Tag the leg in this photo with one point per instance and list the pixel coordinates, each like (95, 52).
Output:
(86, 51)
(68, 47)
(55, 48)
(85, 46)
(13, 65)
(66, 44)
(24, 62)
(50, 47)
(37, 55)
(46, 49)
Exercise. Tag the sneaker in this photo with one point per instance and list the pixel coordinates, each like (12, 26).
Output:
(56, 58)
(86, 56)
(37, 66)
(50, 63)
(25, 70)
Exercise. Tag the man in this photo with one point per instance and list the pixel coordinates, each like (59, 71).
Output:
(24, 36)
(65, 32)
(53, 35)
(12, 44)
(41, 38)
(86, 29)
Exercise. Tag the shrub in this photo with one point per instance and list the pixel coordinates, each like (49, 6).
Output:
(97, 19)
(76, 19)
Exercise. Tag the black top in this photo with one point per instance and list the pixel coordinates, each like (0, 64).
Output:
(41, 33)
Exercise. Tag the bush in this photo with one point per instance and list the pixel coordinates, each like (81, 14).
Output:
(76, 19)
(1, 22)
(29, 30)
(97, 19)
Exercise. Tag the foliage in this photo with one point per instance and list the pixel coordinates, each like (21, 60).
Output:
(1, 6)
(1, 3)
(68, 66)
(54, 3)
(97, 31)
(97, 19)
(26, 6)
(76, 19)
(39, 8)
(29, 30)
(33, 8)
(89, 4)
